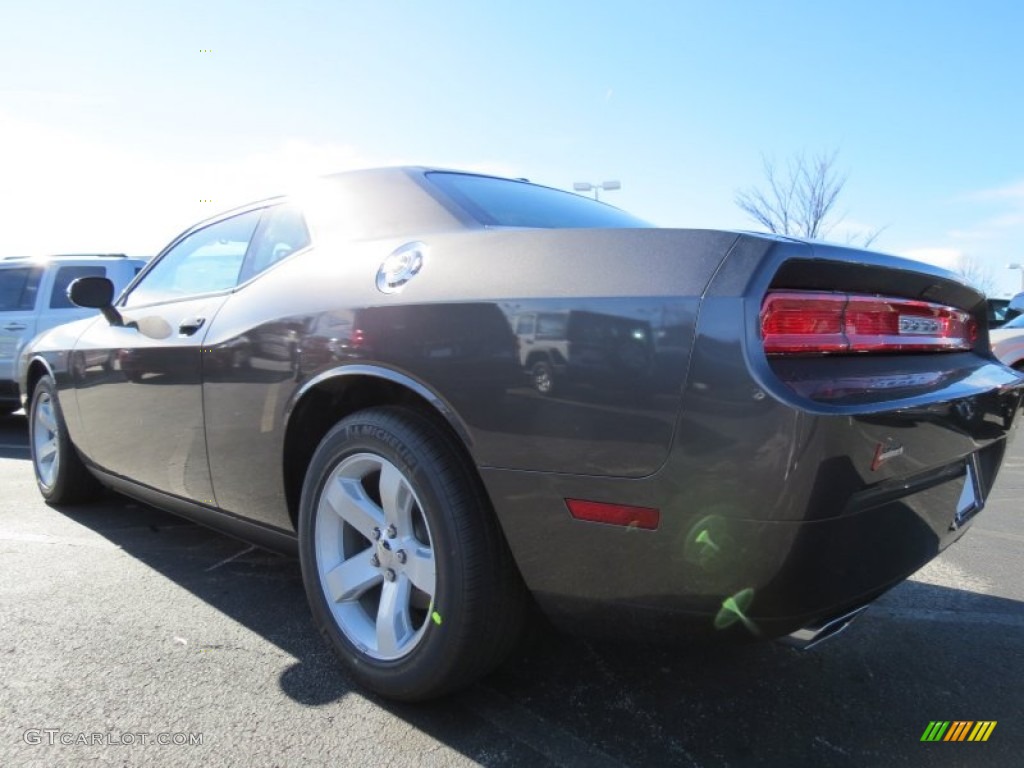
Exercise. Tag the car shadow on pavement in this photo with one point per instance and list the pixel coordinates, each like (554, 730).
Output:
(922, 653)
(14, 437)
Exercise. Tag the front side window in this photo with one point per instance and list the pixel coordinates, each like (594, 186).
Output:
(65, 276)
(18, 288)
(507, 203)
(206, 261)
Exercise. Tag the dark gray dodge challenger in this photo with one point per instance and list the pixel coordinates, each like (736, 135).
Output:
(457, 396)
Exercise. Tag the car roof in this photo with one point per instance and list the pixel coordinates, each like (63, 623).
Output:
(14, 261)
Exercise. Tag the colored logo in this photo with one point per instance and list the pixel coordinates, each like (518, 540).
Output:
(958, 730)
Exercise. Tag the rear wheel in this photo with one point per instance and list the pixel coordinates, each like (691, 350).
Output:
(408, 576)
(60, 474)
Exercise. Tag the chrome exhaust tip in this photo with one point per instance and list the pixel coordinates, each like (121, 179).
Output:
(809, 636)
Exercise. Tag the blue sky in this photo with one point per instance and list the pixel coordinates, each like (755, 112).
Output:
(114, 124)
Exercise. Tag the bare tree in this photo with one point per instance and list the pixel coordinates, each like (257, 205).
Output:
(975, 272)
(799, 199)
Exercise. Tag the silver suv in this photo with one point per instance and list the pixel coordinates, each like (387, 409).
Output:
(33, 299)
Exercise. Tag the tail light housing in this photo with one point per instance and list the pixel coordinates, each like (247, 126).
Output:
(818, 323)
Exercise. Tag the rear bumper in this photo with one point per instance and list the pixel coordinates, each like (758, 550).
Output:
(764, 540)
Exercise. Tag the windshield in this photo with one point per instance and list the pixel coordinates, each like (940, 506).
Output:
(508, 203)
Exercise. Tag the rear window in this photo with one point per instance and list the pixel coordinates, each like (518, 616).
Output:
(507, 203)
(18, 288)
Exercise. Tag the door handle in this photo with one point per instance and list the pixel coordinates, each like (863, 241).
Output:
(190, 325)
(15, 327)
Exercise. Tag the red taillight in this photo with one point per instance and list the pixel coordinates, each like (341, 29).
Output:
(810, 323)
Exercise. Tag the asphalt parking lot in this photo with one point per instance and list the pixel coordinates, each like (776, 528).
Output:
(123, 626)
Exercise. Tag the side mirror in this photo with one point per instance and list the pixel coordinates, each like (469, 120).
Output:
(91, 292)
(95, 293)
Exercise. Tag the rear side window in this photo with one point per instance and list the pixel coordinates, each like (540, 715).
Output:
(507, 203)
(18, 288)
(67, 275)
(551, 326)
(282, 231)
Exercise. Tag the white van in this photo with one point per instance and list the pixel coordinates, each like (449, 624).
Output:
(33, 299)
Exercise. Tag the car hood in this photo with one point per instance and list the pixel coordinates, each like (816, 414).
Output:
(61, 338)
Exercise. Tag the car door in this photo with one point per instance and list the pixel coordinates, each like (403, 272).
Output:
(141, 402)
(19, 287)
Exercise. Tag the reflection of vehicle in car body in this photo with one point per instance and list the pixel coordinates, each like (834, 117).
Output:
(825, 420)
(33, 299)
(581, 347)
(278, 342)
(467, 345)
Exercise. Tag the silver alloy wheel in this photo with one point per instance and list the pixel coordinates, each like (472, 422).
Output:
(375, 557)
(45, 440)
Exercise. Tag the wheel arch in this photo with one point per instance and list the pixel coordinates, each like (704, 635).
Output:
(538, 356)
(37, 368)
(328, 398)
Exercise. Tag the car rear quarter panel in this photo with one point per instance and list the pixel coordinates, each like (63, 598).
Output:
(451, 331)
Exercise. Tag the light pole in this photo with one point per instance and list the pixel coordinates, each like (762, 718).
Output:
(1015, 265)
(586, 186)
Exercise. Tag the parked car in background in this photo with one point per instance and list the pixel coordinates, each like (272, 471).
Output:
(33, 299)
(1008, 343)
(1017, 303)
(760, 435)
(1001, 312)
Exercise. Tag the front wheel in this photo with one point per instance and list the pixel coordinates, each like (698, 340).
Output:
(542, 375)
(408, 576)
(60, 474)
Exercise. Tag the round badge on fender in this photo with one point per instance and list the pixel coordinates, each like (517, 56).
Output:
(401, 267)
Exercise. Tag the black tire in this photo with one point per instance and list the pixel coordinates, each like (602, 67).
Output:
(7, 410)
(64, 479)
(542, 376)
(476, 612)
